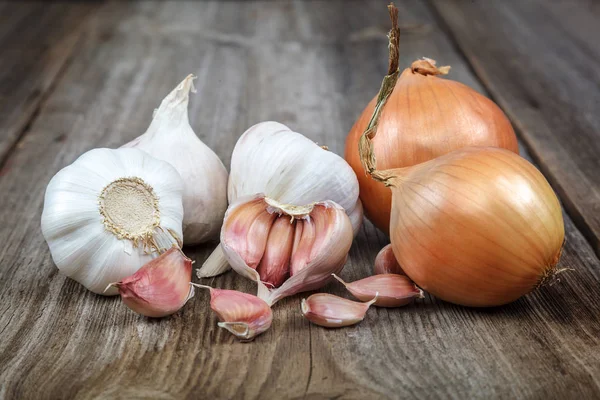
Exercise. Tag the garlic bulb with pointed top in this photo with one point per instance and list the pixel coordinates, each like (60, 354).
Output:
(171, 138)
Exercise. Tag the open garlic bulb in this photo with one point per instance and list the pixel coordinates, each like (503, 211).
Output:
(171, 138)
(109, 213)
(289, 169)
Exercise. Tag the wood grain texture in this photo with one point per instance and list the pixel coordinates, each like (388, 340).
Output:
(539, 59)
(36, 41)
(312, 66)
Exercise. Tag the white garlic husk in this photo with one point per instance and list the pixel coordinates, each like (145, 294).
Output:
(271, 159)
(109, 213)
(171, 138)
(288, 167)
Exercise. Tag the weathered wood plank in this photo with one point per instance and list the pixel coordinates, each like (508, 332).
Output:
(540, 60)
(36, 39)
(313, 66)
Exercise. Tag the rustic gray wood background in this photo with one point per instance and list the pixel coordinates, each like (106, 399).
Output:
(75, 76)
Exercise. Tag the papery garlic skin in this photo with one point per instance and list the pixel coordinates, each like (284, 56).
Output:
(171, 138)
(140, 197)
(243, 315)
(161, 287)
(332, 311)
(288, 167)
(312, 259)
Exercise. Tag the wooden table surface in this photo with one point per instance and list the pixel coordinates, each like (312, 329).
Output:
(75, 76)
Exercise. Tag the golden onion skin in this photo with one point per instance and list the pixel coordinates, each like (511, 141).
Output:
(425, 117)
(478, 227)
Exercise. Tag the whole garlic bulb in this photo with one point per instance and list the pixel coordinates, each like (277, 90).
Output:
(272, 160)
(109, 213)
(171, 138)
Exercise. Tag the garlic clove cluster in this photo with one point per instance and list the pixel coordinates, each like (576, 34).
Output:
(334, 312)
(393, 290)
(109, 213)
(286, 249)
(244, 315)
(171, 138)
(159, 288)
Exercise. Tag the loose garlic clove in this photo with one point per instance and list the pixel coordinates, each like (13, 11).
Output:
(385, 262)
(313, 241)
(334, 312)
(394, 290)
(159, 288)
(244, 315)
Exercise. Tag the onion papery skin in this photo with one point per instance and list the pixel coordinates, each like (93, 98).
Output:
(425, 117)
(477, 227)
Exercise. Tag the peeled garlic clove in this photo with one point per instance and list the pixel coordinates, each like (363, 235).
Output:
(242, 314)
(274, 267)
(394, 290)
(171, 138)
(332, 311)
(385, 262)
(322, 236)
(159, 288)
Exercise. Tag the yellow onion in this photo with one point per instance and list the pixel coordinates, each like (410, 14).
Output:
(426, 116)
(479, 226)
